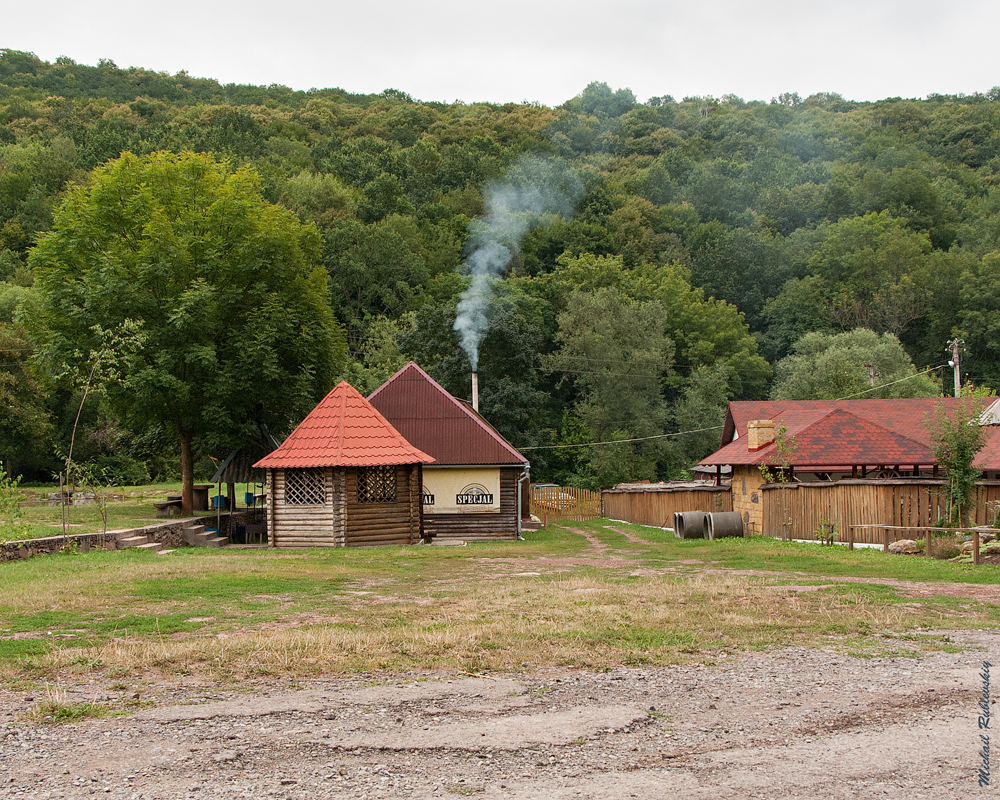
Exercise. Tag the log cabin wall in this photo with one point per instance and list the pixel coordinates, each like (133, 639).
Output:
(304, 525)
(340, 506)
(386, 523)
(482, 526)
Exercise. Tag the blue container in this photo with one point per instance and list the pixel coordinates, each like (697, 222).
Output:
(220, 501)
(248, 498)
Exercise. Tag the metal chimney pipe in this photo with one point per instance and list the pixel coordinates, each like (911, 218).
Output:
(475, 391)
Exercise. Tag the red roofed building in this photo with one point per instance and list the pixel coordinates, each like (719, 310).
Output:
(345, 476)
(830, 439)
(472, 491)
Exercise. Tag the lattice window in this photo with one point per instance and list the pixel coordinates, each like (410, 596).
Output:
(305, 487)
(376, 484)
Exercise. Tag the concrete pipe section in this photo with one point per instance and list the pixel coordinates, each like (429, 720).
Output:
(722, 524)
(689, 524)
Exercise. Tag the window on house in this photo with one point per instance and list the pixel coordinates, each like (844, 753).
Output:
(305, 487)
(377, 484)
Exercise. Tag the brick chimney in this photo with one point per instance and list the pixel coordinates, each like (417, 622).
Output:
(760, 433)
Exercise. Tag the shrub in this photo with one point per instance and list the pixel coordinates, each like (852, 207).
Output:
(122, 470)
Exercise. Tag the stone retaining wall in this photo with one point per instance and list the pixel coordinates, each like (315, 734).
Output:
(12, 551)
(169, 534)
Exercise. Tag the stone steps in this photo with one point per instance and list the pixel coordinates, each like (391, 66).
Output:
(194, 535)
(198, 536)
(139, 542)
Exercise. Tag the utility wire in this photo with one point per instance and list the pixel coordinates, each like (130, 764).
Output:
(714, 427)
(620, 441)
(907, 378)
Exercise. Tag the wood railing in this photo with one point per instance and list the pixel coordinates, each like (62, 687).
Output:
(890, 534)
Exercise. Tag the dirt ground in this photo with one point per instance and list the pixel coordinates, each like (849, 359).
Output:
(791, 723)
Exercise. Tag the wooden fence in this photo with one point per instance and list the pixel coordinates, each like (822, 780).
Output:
(656, 505)
(565, 503)
(798, 510)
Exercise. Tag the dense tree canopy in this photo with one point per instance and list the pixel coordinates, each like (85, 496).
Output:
(233, 323)
(859, 362)
(740, 227)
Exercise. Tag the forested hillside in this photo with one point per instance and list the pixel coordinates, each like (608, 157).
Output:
(706, 238)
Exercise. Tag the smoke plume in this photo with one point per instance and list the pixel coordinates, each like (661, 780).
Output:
(532, 188)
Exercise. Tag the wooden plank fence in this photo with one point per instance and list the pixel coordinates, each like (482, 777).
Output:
(565, 503)
(656, 505)
(798, 510)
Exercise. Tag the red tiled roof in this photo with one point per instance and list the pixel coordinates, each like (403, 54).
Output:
(439, 424)
(836, 438)
(989, 457)
(844, 433)
(344, 430)
(906, 416)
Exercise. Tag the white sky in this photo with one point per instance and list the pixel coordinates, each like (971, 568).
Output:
(536, 50)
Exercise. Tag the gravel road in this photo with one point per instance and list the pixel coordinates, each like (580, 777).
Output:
(790, 723)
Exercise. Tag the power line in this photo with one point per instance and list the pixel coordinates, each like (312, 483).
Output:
(907, 378)
(621, 441)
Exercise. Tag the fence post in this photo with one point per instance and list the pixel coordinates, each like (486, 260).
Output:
(885, 538)
(850, 537)
(927, 543)
(975, 547)
(546, 520)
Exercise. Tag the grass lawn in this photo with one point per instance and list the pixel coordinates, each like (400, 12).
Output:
(133, 511)
(595, 599)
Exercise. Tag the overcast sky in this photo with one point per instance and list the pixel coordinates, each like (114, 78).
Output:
(536, 50)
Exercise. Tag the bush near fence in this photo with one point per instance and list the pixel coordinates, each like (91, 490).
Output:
(656, 504)
(797, 510)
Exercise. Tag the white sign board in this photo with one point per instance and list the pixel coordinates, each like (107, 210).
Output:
(458, 490)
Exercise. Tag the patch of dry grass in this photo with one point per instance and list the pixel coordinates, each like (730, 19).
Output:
(585, 621)
(478, 609)
(53, 709)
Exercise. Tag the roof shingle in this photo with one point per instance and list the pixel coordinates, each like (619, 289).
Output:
(439, 424)
(344, 430)
(844, 433)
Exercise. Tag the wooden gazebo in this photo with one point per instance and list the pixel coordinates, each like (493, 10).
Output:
(344, 477)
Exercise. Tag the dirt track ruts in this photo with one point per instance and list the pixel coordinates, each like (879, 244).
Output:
(790, 723)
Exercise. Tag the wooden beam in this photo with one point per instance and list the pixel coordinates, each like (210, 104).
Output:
(271, 491)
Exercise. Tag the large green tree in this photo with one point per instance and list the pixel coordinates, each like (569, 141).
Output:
(979, 320)
(875, 268)
(234, 324)
(828, 367)
(615, 351)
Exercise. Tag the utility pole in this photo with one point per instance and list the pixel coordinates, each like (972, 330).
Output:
(955, 345)
(871, 374)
